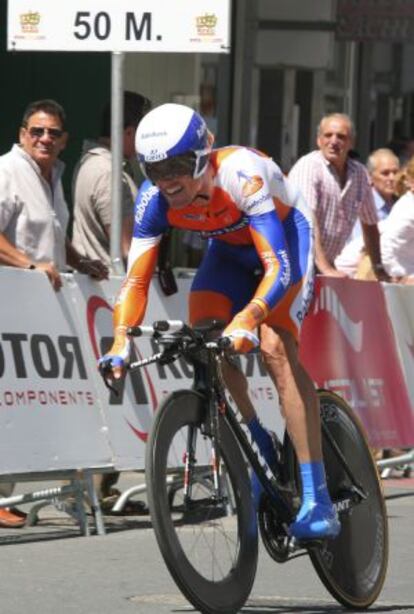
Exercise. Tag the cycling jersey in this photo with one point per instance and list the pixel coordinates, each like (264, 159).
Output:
(254, 220)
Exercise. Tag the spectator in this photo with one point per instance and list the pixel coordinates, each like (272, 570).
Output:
(337, 189)
(397, 248)
(397, 238)
(33, 211)
(34, 216)
(92, 185)
(383, 167)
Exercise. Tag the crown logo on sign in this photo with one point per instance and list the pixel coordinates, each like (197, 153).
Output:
(206, 24)
(29, 21)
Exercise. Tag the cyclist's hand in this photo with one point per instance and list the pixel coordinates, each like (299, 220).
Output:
(112, 367)
(242, 329)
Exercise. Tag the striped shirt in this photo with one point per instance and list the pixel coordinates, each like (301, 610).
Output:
(336, 207)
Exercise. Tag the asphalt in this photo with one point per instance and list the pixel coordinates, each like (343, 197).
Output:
(51, 568)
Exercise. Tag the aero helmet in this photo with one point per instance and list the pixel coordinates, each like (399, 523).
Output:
(172, 139)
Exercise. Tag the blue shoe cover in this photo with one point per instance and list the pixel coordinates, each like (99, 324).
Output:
(317, 522)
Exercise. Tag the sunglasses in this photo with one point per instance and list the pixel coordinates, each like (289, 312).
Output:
(178, 166)
(37, 132)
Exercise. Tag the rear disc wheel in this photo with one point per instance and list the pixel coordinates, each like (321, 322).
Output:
(353, 565)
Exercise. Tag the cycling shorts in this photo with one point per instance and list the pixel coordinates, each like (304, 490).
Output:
(227, 280)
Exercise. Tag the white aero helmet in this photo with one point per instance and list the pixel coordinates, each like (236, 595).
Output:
(172, 140)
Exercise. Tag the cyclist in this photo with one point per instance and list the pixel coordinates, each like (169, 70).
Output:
(237, 198)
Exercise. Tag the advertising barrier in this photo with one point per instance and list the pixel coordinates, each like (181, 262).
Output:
(349, 345)
(56, 414)
(50, 417)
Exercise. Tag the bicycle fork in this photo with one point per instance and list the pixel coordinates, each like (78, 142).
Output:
(212, 472)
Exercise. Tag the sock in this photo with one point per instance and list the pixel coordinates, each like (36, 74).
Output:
(314, 488)
(264, 441)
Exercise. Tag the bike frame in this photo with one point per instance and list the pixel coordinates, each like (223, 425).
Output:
(208, 378)
(209, 384)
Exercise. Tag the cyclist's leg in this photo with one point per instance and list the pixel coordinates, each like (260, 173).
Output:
(223, 285)
(299, 405)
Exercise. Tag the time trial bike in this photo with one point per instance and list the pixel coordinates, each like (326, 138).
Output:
(199, 489)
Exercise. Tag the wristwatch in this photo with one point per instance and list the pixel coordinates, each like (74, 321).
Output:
(379, 268)
(31, 267)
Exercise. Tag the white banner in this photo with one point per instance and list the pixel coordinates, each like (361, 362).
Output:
(400, 306)
(122, 25)
(55, 411)
(50, 418)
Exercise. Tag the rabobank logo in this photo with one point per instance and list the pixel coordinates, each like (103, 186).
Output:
(329, 301)
(286, 269)
(153, 134)
(144, 201)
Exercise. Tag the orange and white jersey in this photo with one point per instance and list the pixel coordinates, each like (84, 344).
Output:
(252, 203)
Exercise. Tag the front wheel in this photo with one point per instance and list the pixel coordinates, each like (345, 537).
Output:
(206, 528)
(352, 566)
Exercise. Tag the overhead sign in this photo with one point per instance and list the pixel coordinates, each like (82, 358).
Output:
(121, 25)
(367, 20)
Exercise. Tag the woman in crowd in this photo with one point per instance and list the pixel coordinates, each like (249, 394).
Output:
(397, 237)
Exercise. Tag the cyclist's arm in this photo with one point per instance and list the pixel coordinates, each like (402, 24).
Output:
(150, 224)
(133, 297)
(269, 239)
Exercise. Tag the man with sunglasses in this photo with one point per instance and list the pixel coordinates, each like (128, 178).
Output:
(34, 216)
(255, 220)
(33, 211)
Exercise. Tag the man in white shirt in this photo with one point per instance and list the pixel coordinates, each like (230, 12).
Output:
(383, 166)
(34, 216)
(33, 211)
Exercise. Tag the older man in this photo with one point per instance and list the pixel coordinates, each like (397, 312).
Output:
(337, 189)
(383, 166)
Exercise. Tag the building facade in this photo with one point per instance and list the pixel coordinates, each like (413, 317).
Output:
(290, 62)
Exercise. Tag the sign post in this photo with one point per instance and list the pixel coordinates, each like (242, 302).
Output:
(118, 27)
